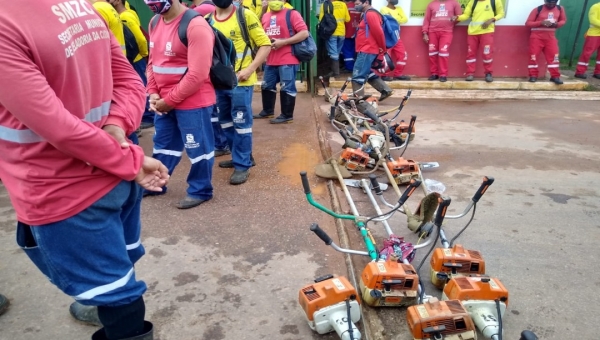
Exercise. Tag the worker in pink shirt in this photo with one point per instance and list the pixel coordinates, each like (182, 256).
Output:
(69, 98)
(282, 65)
(437, 32)
(182, 96)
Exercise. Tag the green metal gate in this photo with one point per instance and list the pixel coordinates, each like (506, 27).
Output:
(571, 41)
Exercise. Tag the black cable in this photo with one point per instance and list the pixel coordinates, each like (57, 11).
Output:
(499, 320)
(384, 214)
(463, 229)
(422, 295)
(350, 329)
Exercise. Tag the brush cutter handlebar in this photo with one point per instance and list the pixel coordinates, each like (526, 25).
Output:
(322, 235)
(487, 181)
(305, 182)
(414, 184)
(441, 211)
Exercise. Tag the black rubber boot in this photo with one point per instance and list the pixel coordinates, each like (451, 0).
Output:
(85, 314)
(124, 322)
(4, 303)
(147, 334)
(335, 68)
(358, 89)
(288, 103)
(381, 86)
(268, 101)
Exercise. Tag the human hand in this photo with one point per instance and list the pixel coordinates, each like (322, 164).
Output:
(244, 74)
(487, 24)
(152, 100)
(118, 134)
(547, 23)
(453, 18)
(153, 175)
(162, 107)
(426, 38)
(277, 43)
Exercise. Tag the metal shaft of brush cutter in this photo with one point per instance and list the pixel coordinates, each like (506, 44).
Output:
(485, 184)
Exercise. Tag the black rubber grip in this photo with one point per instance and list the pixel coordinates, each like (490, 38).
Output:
(372, 116)
(322, 235)
(305, 182)
(322, 82)
(332, 110)
(414, 184)
(343, 134)
(441, 211)
(375, 184)
(345, 85)
(487, 181)
(411, 125)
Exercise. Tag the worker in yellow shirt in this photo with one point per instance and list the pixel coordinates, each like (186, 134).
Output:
(483, 14)
(255, 6)
(340, 12)
(591, 44)
(132, 21)
(398, 52)
(112, 20)
(235, 106)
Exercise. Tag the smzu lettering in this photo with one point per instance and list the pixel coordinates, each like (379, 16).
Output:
(69, 10)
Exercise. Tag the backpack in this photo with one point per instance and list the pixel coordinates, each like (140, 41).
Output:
(305, 50)
(391, 28)
(475, 5)
(241, 18)
(131, 47)
(539, 10)
(328, 23)
(222, 73)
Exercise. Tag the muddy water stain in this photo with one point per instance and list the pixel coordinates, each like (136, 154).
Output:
(297, 157)
(559, 198)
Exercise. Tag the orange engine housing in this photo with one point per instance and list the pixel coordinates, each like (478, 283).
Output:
(403, 128)
(471, 262)
(476, 287)
(367, 133)
(324, 294)
(443, 317)
(354, 159)
(403, 170)
(394, 284)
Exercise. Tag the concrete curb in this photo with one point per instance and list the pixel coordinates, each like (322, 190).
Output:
(301, 86)
(541, 85)
(369, 318)
(488, 94)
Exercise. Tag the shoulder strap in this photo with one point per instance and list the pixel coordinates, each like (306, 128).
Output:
(474, 5)
(255, 3)
(328, 8)
(154, 21)
(539, 10)
(494, 6)
(288, 20)
(188, 15)
(241, 18)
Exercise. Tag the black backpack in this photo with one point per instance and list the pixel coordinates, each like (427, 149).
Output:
(539, 10)
(222, 73)
(328, 23)
(131, 46)
(475, 5)
(241, 18)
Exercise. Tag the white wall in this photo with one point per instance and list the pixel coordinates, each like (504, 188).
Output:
(517, 11)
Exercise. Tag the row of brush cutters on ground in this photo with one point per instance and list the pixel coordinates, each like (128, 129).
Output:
(471, 301)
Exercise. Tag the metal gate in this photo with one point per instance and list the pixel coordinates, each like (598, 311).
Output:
(571, 36)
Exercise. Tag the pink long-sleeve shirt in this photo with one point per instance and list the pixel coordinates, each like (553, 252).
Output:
(63, 78)
(438, 14)
(183, 82)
